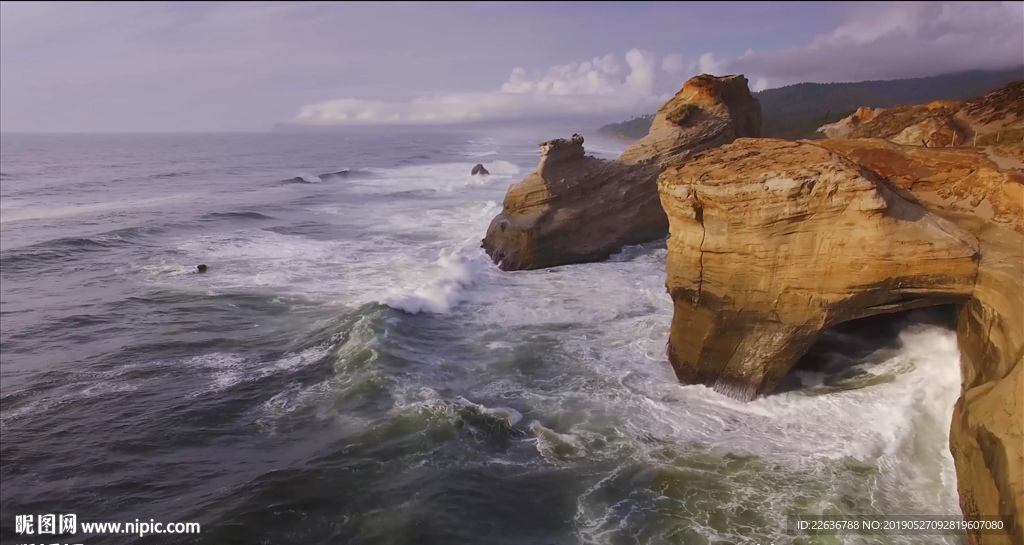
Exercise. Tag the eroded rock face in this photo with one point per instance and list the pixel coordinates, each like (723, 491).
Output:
(773, 241)
(995, 121)
(708, 112)
(843, 127)
(576, 209)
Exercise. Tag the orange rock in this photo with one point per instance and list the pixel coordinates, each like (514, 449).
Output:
(576, 209)
(773, 241)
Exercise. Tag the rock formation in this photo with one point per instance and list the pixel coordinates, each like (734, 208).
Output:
(576, 208)
(479, 169)
(773, 241)
(843, 127)
(995, 120)
(708, 112)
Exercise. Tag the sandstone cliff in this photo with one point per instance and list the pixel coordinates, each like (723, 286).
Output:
(576, 208)
(707, 112)
(773, 241)
(995, 120)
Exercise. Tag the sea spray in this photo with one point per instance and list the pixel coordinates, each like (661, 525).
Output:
(453, 274)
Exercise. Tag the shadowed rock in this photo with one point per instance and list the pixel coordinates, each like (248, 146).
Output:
(576, 208)
(773, 241)
(479, 169)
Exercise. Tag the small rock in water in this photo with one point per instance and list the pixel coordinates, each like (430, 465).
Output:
(479, 169)
(201, 269)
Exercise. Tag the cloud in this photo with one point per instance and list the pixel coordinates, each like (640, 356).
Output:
(212, 66)
(890, 41)
(601, 75)
(674, 63)
(899, 40)
(707, 65)
(601, 86)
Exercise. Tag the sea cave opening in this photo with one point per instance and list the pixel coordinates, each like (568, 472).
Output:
(842, 354)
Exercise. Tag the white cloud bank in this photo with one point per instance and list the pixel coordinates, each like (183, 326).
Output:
(601, 85)
(890, 41)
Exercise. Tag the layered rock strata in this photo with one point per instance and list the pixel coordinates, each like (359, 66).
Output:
(575, 208)
(995, 121)
(773, 241)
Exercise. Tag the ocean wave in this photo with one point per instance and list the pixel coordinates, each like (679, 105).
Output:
(164, 175)
(483, 153)
(460, 413)
(62, 249)
(437, 178)
(414, 159)
(260, 259)
(227, 370)
(244, 215)
(320, 178)
(453, 274)
(64, 211)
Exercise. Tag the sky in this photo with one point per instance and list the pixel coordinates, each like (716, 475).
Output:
(200, 67)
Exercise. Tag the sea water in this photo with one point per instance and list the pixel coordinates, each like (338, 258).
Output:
(353, 369)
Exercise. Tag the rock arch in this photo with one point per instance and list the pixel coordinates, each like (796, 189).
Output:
(773, 241)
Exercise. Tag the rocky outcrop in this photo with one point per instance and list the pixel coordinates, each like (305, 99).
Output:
(479, 169)
(576, 208)
(843, 127)
(1000, 109)
(708, 112)
(932, 125)
(773, 241)
(995, 120)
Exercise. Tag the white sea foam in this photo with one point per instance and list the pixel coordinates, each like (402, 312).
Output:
(226, 370)
(23, 213)
(441, 286)
(442, 293)
(898, 428)
(439, 177)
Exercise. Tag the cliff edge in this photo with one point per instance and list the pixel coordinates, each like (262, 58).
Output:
(576, 208)
(772, 241)
(994, 121)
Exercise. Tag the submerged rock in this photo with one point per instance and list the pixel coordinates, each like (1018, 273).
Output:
(576, 208)
(479, 169)
(201, 269)
(774, 241)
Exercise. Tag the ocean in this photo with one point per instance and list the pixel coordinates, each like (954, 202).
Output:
(352, 369)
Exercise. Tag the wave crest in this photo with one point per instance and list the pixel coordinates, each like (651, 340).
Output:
(454, 273)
